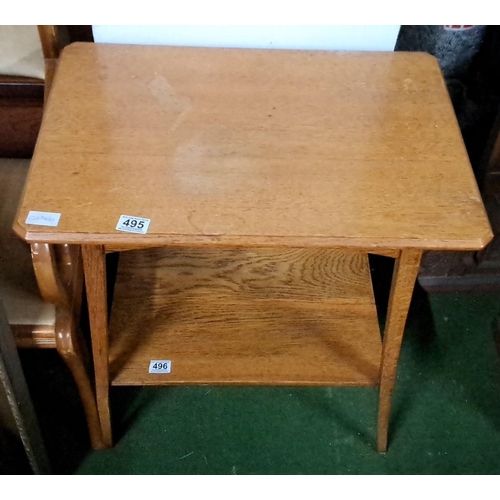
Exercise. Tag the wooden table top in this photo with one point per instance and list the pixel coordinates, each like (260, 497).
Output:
(253, 147)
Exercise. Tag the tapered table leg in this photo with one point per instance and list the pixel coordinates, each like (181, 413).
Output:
(94, 262)
(403, 282)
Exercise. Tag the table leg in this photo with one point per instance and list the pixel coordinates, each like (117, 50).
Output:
(94, 262)
(403, 282)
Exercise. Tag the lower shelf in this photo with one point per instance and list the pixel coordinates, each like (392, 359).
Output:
(249, 317)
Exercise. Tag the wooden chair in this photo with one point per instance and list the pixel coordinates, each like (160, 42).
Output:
(22, 83)
(41, 287)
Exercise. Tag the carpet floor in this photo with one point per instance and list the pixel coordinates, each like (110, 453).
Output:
(445, 417)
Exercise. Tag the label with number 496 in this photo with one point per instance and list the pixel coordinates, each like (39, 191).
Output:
(131, 224)
(160, 366)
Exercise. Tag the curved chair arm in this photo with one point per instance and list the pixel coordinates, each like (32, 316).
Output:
(52, 288)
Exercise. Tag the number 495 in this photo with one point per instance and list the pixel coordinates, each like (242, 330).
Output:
(133, 223)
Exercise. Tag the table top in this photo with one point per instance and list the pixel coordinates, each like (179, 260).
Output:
(252, 147)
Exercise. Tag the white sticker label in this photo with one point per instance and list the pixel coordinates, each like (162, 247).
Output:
(160, 366)
(131, 224)
(43, 218)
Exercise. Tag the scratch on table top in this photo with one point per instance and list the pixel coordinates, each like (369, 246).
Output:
(168, 98)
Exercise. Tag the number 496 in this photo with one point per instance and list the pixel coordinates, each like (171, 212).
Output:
(160, 366)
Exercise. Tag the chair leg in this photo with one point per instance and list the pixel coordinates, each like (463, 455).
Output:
(74, 353)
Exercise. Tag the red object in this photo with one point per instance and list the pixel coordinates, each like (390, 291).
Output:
(458, 27)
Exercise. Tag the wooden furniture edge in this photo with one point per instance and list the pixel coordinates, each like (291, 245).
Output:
(118, 242)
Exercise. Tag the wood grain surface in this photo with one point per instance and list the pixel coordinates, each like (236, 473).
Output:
(18, 286)
(284, 317)
(403, 282)
(42, 291)
(94, 263)
(253, 147)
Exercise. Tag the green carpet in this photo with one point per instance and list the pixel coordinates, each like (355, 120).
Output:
(445, 417)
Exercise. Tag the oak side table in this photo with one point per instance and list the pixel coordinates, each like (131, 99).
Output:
(248, 187)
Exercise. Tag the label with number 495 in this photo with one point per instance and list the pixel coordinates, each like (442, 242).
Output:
(160, 366)
(131, 224)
